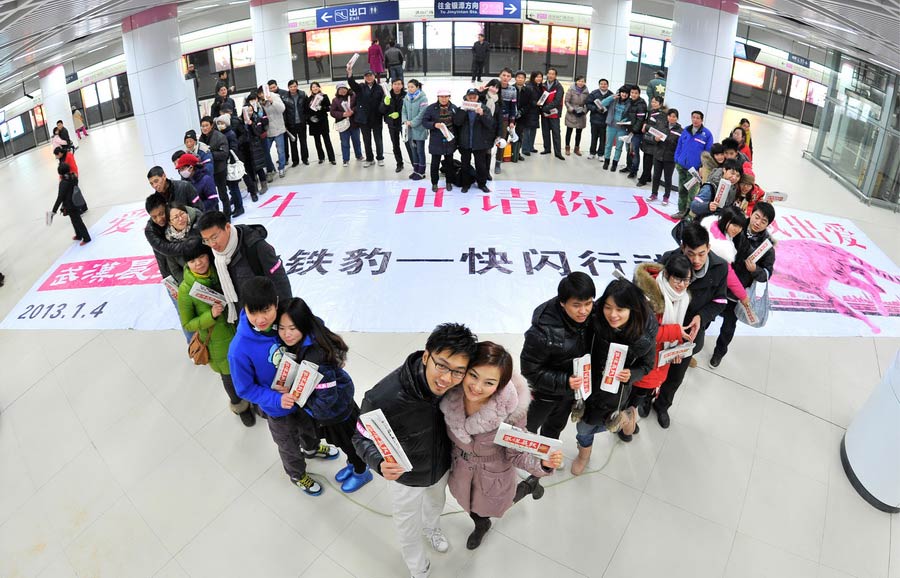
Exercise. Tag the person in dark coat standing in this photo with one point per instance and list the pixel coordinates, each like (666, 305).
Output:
(255, 122)
(664, 157)
(317, 113)
(530, 119)
(391, 110)
(476, 129)
(437, 116)
(637, 114)
(708, 290)
(218, 148)
(480, 52)
(409, 397)
(393, 61)
(598, 119)
(656, 118)
(65, 199)
(369, 97)
(521, 106)
(550, 112)
(221, 99)
(295, 121)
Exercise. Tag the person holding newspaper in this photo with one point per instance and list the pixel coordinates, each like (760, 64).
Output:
(438, 120)
(207, 320)
(616, 106)
(560, 333)
(483, 473)
(625, 340)
(408, 401)
(330, 403)
(719, 191)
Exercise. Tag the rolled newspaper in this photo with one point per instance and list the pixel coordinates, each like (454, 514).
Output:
(531, 443)
(543, 98)
(760, 251)
(722, 191)
(667, 356)
(376, 428)
(353, 60)
(615, 362)
(346, 105)
(446, 132)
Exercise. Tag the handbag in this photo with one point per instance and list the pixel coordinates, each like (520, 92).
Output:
(759, 306)
(342, 125)
(78, 198)
(198, 350)
(236, 170)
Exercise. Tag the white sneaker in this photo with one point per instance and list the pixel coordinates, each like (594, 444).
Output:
(424, 574)
(438, 541)
(600, 158)
(591, 157)
(368, 164)
(380, 163)
(346, 164)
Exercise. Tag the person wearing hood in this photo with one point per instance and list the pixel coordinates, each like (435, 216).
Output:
(666, 289)
(476, 131)
(223, 124)
(711, 160)
(576, 113)
(437, 118)
(727, 242)
(598, 119)
(550, 114)
(623, 317)
(191, 170)
(392, 110)
(616, 121)
(483, 474)
(343, 107)
(704, 203)
(414, 106)
(560, 332)
(409, 397)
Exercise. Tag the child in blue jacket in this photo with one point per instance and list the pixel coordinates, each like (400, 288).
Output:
(331, 404)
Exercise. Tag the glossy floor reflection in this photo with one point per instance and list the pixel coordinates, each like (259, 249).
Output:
(118, 458)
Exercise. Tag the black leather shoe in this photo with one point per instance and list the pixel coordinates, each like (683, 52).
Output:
(662, 416)
(715, 360)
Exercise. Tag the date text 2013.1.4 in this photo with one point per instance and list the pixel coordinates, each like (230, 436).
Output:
(60, 311)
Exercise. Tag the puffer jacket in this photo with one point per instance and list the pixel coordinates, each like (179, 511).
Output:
(551, 343)
(392, 104)
(275, 114)
(413, 111)
(597, 117)
(332, 401)
(700, 204)
(175, 261)
(530, 111)
(318, 119)
(437, 144)
(576, 107)
(196, 315)
(254, 147)
(637, 114)
(665, 150)
(707, 165)
(475, 132)
(414, 414)
(368, 98)
(708, 292)
(640, 359)
(656, 119)
(691, 144)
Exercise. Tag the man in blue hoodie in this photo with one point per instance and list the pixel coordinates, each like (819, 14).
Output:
(253, 356)
(693, 141)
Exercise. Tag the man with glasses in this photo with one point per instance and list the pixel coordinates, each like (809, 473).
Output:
(241, 253)
(409, 398)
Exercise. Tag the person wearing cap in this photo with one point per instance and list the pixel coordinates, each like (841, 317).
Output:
(340, 113)
(657, 86)
(550, 114)
(369, 97)
(438, 116)
(199, 150)
(477, 131)
(188, 166)
(749, 193)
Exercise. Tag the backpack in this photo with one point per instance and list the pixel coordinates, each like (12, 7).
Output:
(252, 257)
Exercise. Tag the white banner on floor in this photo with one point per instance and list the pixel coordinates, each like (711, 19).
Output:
(387, 256)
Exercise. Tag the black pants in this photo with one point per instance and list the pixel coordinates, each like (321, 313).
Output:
(222, 189)
(448, 168)
(229, 389)
(481, 164)
(368, 132)
(550, 132)
(319, 138)
(676, 375)
(394, 132)
(662, 169)
(598, 139)
(234, 189)
(647, 173)
(577, 136)
(640, 396)
(341, 435)
(517, 146)
(726, 334)
(550, 415)
(78, 224)
(634, 153)
(289, 433)
(477, 69)
(299, 131)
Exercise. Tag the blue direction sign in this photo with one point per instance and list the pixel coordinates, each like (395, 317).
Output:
(350, 14)
(486, 9)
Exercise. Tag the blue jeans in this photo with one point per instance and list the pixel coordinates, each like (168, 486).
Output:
(612, 140)
(396, 72)
(346, 136)
(634, 149)
(585, 433)
(279, 145)
(417, 152)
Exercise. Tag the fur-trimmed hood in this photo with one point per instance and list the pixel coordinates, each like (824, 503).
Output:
(509, 404)
(645, 278)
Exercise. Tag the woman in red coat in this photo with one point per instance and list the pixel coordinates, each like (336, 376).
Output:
(376, 59)
(666, 289)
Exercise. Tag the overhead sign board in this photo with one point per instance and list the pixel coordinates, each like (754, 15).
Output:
(798, 60)
(484, 9)
(353, 14)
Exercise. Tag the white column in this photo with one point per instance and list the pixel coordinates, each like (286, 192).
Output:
(153, 63)
(610, 23)
(703, 37)
(271, 41)
(55, 99)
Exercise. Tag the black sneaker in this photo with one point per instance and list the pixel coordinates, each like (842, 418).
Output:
(626, 437)
(662, 416)
(247, 418)
(324, 452)
(715, 360)
(307, 485)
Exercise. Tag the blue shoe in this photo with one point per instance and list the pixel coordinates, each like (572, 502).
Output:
(344, 472)
(355, 481)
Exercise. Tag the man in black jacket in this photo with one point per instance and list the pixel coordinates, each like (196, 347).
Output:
(747, 272)
(708, 299)
(369, 97)
(391, 109)
(181, 192)
(477, 129)
(295, 121)
(218, 148)
(560, 332)
(409, 398)
(550, 114)
(637, 114)
(480, 51)
(242, 252)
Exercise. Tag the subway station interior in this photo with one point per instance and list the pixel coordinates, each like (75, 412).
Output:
(119, 455)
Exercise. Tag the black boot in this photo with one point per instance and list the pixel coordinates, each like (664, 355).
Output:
(482, 525)
(606, 165)
(613, 167)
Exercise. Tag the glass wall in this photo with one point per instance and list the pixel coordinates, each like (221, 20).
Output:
(644, 57)
(777, 92)
(105, 101)
(237, 59)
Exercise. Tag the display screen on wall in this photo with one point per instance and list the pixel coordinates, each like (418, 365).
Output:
(584, 42)
(242, 54)
(317, 44)
(815, 94)
(798, 87)
(749, 73)
(4, 132)
(351, 39)
(565, 40)
(16, 128)
(466, 33)
(38, 116)
(222, 56)
(534, 37)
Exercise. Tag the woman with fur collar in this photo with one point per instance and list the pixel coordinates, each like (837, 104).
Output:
(483, 475)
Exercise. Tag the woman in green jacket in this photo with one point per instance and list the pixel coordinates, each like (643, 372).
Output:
(213, 326)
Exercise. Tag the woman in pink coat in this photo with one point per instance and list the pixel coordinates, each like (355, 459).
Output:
(483, 475)
(376, 59)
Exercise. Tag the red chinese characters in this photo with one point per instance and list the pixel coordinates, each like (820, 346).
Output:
(120, 271)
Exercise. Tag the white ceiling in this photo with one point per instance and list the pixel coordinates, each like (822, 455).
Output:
(31, 38)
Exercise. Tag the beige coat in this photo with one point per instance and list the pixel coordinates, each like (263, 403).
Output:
(576, 107)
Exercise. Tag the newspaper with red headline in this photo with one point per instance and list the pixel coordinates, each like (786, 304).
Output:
(446, 132)
(171, 286)
(285, 372)
(515, 438)
(763, 248)
(380, 432)
(470, 105)
(751, 316)
(316, 103)
(305, 381)
(775, 197)
(209, 296)
(581, 368)
(615, 363)
(722, 191)
(544, 98)
(667, 356)
(657, 133)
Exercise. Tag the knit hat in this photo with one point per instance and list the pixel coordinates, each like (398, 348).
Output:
(224, 119)
(443, 92)
(748, 178)
(186, 160)
(192, 134)
(342, 84)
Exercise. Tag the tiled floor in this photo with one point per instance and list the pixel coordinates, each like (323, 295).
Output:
(118, 458)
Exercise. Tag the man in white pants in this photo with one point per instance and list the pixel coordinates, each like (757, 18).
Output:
(409, 398)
